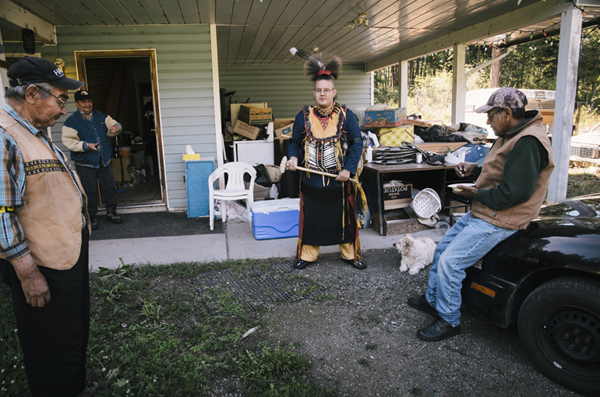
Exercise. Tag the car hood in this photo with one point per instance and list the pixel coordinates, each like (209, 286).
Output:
(578, 207)
(565, 235)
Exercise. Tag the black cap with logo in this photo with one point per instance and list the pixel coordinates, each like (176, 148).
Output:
(32, 70)
(81, 95)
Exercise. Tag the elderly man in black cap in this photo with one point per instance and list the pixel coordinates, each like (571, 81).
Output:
(87, 134)
(509, 191)
(44, 233)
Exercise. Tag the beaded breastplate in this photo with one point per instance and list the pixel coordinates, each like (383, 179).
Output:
(324, 138)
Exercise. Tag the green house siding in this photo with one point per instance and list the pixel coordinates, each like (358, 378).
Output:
(286, 89)
(185, 90)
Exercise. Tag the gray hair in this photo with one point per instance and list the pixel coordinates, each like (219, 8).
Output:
(19, 91)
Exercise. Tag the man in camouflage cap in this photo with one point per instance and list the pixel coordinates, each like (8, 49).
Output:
(508, 193)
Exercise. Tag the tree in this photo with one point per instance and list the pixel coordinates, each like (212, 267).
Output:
(589, 71)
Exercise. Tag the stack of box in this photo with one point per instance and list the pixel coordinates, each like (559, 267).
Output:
(252, 120)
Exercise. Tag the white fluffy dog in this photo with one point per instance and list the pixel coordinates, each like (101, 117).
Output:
(416, 253)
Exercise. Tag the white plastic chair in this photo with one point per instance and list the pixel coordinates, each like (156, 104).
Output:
(234, 189)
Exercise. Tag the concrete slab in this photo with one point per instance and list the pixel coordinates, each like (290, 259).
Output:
(237, 242)
(158, 250)
(241, 244)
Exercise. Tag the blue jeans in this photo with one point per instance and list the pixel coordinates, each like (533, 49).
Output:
(464, 244)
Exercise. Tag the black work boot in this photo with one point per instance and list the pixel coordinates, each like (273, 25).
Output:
(421, 303)
(112, 216)
(437, 330)
(360, 265)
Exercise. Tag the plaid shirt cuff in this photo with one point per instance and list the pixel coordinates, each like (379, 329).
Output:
(16, 251)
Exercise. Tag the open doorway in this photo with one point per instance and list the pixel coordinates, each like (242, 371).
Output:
(123, 85)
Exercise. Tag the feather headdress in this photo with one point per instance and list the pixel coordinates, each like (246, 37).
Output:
(315, 66)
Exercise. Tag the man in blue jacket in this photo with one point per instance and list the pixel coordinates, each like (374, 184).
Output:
(87, 134)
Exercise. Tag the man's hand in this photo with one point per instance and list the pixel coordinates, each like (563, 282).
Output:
(291, 164)
(466, 191)
(343, 176)
(92, 146)
(33, 282)
(114, 129)
(465, 169)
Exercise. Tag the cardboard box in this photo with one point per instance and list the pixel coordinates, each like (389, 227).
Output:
(283, 127)
(384, 118)
(234, 108)
(393, 137)
(397, 196)
(255, 116)
(398, 221)
(246, 130)
(275, 218)
(441, 147)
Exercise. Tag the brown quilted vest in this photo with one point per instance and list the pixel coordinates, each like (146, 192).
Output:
(519, 216)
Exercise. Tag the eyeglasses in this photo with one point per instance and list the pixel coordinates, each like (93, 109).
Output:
(61, 102)
(490, 115)
(326, 91)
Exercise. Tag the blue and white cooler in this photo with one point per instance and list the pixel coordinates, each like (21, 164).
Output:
(275, 218)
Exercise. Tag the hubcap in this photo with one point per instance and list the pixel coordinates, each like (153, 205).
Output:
(574, 335)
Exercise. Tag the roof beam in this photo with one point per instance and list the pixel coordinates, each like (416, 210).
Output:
(24, 19)
(540, 11)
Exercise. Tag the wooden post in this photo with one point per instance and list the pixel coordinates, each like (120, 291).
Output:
(220, 149)
(403, 85)
(459, 84)
(566, 88)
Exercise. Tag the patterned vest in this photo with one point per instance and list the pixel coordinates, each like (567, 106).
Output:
(51, 217)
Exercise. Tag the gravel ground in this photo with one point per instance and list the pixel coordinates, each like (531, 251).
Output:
(362, 338)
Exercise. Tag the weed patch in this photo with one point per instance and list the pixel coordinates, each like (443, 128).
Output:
(151, 335)
(583, 181)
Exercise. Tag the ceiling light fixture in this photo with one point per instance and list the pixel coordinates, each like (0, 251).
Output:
(361, 19)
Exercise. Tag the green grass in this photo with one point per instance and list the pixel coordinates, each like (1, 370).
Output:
(150, 335)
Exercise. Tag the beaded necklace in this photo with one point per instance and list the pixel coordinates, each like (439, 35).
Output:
(324, 117)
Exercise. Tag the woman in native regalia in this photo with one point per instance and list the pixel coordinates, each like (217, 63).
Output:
(326, 138)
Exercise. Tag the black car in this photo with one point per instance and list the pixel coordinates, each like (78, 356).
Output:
(547, 280)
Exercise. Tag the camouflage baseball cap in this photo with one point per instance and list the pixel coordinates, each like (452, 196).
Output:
(505, 97)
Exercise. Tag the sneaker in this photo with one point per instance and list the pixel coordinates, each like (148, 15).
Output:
(92, 387)
(94, 222)
(112, 216)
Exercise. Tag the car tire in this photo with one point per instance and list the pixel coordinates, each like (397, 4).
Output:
(559, 328)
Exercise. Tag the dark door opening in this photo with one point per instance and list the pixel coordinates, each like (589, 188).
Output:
(123, 87)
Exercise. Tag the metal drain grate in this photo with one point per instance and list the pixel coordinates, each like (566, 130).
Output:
(252, 288)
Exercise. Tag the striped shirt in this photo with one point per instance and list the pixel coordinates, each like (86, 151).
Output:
(12, 188)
